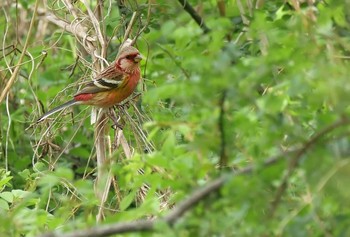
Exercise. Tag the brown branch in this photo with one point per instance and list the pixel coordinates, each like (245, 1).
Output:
(174, 215)
(196, 17)
(295, 160)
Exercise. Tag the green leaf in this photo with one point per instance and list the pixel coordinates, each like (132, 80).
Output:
(4, 181)
(4, 205)
(17, 193)
(127, 200)
(65, 173)
(7, 196)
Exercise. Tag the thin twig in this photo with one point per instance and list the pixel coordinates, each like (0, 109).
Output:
(175, 61)
(8, 132)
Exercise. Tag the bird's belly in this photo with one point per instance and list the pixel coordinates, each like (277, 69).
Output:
(110, 98)
(118, 96)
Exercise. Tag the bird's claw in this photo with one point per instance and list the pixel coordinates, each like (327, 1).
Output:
(117, 126)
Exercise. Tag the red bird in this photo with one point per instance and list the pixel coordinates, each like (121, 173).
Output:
(113, 85)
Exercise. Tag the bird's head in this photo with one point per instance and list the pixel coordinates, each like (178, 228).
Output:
(128, 59)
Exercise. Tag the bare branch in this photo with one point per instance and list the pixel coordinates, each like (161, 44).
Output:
(76, 29)
(198, 19)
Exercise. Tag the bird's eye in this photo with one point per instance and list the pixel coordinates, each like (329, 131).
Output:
(130, 57)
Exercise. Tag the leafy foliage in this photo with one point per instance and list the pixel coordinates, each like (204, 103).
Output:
(262, 82)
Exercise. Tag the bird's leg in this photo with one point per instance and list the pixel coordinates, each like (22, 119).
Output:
(112, 115)
(136, 94)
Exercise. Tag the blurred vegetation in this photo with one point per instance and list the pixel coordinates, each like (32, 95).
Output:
(269, 78)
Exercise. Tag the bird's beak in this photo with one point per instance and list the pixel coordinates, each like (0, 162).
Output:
(138, 58)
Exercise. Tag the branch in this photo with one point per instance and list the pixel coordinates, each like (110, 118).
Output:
(186, 74)
(95, 24)
(295, 160)
(174, 215)
(75, 29)
(197, 18)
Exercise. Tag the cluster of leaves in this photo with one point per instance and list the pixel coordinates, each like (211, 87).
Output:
(245, 91)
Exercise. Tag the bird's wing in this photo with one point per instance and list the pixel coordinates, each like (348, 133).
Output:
(109, 78)
(110, 72)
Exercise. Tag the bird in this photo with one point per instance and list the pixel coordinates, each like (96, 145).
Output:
(111, 86)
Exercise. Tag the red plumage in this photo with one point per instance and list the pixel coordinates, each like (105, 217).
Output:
(83, 97)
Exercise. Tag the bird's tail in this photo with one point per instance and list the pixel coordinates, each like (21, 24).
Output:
(57, 109)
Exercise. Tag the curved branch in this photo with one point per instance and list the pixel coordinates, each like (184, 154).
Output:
(295, 160)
